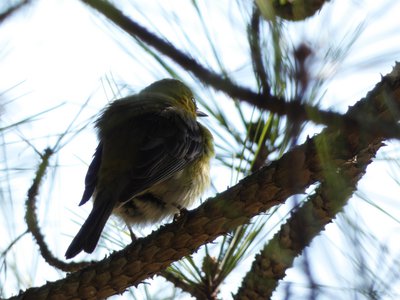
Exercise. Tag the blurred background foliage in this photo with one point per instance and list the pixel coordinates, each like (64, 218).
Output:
(62, 62)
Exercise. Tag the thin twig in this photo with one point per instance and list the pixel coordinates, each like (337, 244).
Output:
(255, 51)
(12, 9)
(32, 220)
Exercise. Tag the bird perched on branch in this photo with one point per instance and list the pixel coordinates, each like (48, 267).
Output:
(153, 159)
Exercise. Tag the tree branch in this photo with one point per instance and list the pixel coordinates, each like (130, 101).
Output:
(271, 185)
(32, 220)
(342, 171)
(295, 110)
(12, 10)
(270, 265)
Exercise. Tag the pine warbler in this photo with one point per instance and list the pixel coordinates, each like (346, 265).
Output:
(153, 159)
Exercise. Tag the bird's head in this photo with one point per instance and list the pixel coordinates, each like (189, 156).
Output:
(178, 92)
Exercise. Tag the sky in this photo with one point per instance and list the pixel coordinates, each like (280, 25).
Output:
(58, 55)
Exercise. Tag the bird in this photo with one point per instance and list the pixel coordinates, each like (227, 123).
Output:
(152, 160)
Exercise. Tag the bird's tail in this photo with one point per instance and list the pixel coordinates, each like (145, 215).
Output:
(89, 234)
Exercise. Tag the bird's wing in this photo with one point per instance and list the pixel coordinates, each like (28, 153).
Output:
(168, 143)
(143, 150)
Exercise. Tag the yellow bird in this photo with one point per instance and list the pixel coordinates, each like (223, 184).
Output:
(153, 159)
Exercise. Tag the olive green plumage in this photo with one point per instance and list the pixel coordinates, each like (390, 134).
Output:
(152, 160)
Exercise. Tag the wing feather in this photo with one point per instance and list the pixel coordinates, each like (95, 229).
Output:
(91, 175)
(170, 144)
(148, 149)
(143, 149)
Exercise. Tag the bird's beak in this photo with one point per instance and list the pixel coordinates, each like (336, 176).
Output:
(201, 114)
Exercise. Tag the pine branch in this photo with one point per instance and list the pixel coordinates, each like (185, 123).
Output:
(271, 185)
(294, 109)
(345, 158)
(32, 220)
(270, 265)
(12, 10)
